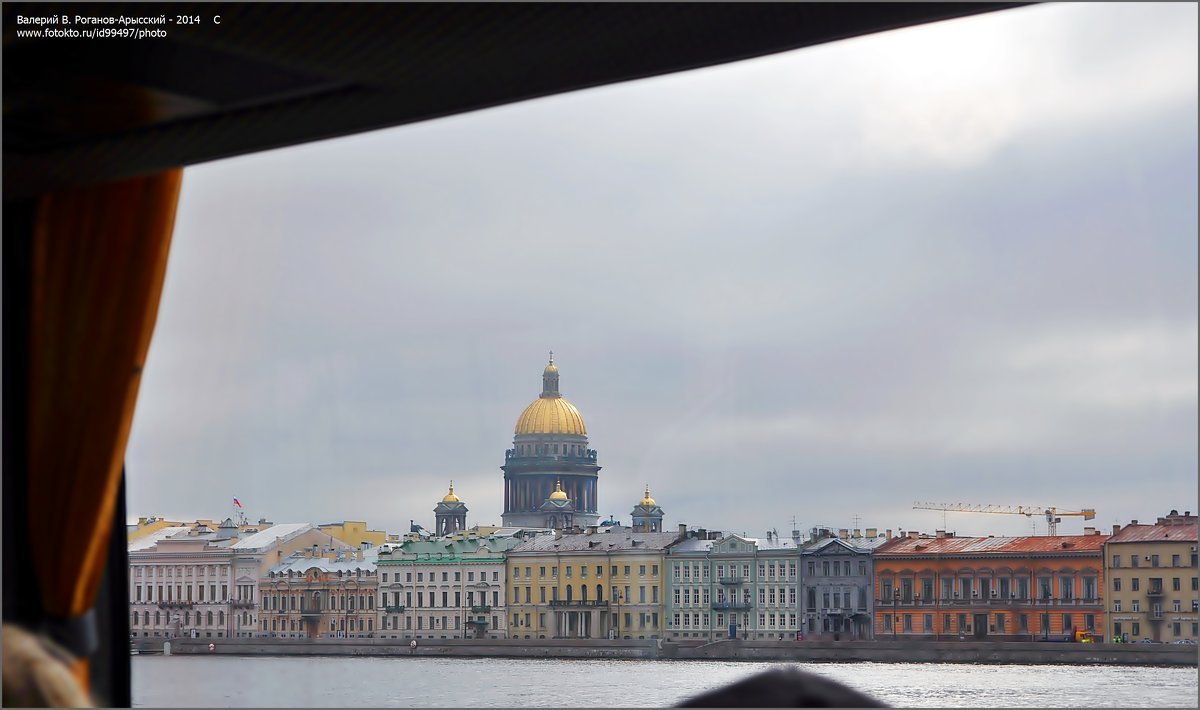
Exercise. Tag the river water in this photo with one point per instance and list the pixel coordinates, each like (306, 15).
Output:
(298, 681)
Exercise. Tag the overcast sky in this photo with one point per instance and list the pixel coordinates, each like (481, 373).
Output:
(953, 263)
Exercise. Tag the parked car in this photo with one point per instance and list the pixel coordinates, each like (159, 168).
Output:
(1186, 642)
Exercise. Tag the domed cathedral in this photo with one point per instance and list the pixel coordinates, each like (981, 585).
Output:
(550, 457)
(450, 515)
(647, 515)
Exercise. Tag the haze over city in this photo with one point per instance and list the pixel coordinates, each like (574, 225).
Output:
(921, 265)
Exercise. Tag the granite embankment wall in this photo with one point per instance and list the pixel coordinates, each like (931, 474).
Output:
(806, 651)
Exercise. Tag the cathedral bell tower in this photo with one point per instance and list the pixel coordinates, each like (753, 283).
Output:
(450, 515)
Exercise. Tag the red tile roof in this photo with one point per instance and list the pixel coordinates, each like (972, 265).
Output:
(1156, 533)
(1062, 544)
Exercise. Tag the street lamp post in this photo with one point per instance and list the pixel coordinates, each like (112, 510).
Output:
(617, 598)
(895, 616)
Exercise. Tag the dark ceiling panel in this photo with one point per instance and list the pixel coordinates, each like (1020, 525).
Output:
(271, 75)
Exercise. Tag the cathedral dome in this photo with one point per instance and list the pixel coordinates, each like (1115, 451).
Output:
(551, 416)
(450, 497)
(551, 413)
(559, 493)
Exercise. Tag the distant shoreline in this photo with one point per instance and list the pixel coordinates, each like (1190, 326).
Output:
(1001, 653)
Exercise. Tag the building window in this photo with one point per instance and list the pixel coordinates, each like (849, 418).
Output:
(1116, 584)
(1136, 584)
(1116, 561)
(1175, 584)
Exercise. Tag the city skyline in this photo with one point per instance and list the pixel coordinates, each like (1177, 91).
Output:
(823, 284)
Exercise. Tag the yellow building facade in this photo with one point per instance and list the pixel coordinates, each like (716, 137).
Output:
(1154, 588)
(600, 583)
(355, 533)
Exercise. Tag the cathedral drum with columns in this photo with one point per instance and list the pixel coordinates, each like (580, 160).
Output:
(550, 474)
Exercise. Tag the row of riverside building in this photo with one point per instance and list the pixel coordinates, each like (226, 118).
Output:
(553, 569)
(608, 581)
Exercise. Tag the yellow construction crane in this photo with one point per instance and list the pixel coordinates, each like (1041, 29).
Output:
(1052, 513)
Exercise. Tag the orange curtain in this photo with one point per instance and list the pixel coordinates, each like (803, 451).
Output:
(99, 258)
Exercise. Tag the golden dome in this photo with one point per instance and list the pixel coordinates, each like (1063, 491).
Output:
(559, 493)
(450, 497)
(648, 500)
(551, 415)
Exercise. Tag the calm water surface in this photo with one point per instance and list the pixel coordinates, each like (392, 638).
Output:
(262, 681)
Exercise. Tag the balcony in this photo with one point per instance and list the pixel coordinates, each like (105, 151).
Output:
(394, 609)
(732, 580)
(1154, 592)
(477, 622)
(176, 605)
(722, 605)
(1157, 615)
(480, 609)
(577, 602)
(241, 604)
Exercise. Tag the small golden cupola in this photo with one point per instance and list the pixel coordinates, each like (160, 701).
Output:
(559, 493)
(450, 497)
(647, 500)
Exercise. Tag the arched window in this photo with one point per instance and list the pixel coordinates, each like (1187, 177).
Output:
(583, 592)
(568, 592)
(221, 618)
(210, 618)
(599, 592)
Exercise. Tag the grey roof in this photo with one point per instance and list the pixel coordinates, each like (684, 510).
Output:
(600, 541)
(265, 538)
(864, 544)
(692, 544)
(300, 562)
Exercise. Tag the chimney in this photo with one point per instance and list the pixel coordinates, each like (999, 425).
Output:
(1116, 528)
(557, 534)
(683, 531)
(843, 533)
(872, 532)
(1089, 531)
(591, 530)
(856, 533)
(939, 533)
(912, 534)
(360, 555)
(889, 533)
(1133, 522)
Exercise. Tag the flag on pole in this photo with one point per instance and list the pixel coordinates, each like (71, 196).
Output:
(237, 502)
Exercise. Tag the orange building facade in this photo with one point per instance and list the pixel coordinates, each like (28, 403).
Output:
(943, 587)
